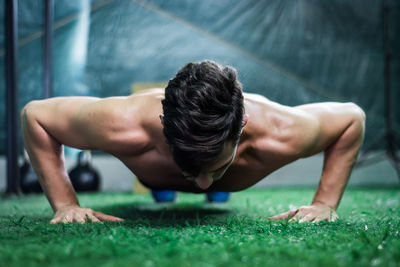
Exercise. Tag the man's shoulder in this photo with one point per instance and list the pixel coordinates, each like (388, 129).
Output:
(152, 93)
(279, 129)
(148, 108)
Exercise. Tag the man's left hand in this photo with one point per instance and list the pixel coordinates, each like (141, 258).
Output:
(313, 213)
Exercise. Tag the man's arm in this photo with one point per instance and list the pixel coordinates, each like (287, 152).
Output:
(81, 122)
(340, 135)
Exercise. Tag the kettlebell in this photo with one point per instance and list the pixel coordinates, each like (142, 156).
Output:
(29, 180)
(84, 177)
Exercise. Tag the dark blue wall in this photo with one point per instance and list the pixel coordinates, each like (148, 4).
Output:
(293, 52)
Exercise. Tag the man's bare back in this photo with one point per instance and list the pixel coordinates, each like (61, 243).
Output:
(130, 129)
(254, 160)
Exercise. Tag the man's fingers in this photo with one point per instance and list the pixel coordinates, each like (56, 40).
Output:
(298, 216)
(308, 218)
(313, 213)
(79, 219)
(87, 217)
(55, 220)
(81, 216)
(67, 219)
(318, 219)
(104, 217)
(283, 216)
(333, 217)
(92, 218)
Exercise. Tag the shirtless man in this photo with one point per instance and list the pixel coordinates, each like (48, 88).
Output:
(201, 134)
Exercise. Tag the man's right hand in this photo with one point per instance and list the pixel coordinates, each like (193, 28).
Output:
(81, 215)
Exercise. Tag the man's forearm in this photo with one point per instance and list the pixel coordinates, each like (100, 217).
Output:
(47, 159)
(339, 159)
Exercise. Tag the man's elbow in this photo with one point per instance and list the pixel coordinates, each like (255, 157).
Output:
(27, 114)
(24, 113)
(357, 127)
(357, 111)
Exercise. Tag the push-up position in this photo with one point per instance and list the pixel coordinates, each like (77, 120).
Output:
(199, 134)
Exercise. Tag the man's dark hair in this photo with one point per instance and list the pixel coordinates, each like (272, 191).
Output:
(203, 109)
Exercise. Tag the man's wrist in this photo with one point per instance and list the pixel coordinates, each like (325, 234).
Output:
(64, 206)
(323, 203)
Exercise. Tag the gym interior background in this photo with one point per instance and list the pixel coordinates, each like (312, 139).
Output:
(293, 52)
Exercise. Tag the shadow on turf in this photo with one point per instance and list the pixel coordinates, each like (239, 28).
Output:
(168, 214)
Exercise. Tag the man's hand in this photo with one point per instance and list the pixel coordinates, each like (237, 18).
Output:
(81, 215)
(314, 213)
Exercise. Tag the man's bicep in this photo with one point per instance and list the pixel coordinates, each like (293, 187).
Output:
(62, 119)
(333, 119)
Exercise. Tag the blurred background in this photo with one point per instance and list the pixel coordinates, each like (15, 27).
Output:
(292, 52)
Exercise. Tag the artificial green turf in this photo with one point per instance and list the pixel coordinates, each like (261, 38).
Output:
(193, 233)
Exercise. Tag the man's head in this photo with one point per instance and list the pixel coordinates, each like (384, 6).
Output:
(203, 118)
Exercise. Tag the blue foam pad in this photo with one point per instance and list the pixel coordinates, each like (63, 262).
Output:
(162, 196)
(218, 197)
